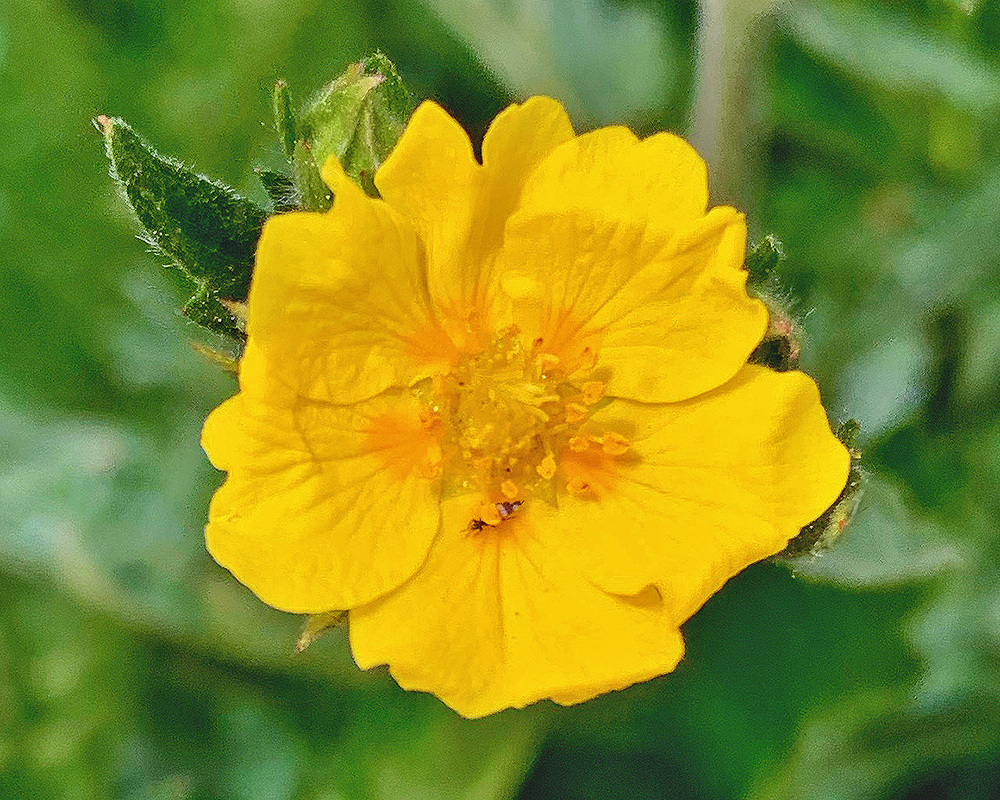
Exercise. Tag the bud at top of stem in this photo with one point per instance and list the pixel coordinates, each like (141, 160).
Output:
(358, 118)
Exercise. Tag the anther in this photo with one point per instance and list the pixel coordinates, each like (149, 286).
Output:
(592, 392)
(615, 444)
(429, 418)
(547, 468)
(546, 360)
(488, 513)
(575, 412)
(508, 489)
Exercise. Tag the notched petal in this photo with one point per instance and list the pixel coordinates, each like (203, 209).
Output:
(325, 507)
(717, 483)
(499, 618)
(611, 171)
(340, 302)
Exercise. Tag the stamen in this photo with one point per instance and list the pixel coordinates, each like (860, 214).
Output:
(575, 412)
(615, 444)
(546, 360)
(503, 413)
(592, 392)
(547, 468)
(489, 514)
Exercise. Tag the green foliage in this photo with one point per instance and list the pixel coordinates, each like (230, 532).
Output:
(131, 666)
(763, 259)
(207, 230)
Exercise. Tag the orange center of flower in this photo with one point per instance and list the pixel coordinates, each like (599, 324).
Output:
(506, 415)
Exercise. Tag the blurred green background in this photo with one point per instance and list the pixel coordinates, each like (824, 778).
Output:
(864, 134)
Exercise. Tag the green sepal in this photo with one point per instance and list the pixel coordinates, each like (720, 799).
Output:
(280, 189)
(284, 118)
(201, 225)
(781, 347)
(823, 532)
(763, 260)
(206, 309)
(317, 624)
(358, 118)
(313, 193)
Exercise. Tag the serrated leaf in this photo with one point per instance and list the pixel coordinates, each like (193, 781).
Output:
(204, 227)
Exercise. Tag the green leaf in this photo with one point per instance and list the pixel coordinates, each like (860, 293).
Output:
(204, 227)
(884, 49)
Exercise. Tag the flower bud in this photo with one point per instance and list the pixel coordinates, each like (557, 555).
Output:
(358, 118)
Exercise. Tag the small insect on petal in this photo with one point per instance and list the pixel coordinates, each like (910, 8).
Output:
(506, 510)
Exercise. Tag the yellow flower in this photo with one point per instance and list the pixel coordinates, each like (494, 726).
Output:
(504, 414)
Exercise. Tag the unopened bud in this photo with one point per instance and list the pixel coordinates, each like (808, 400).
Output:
(358, 119)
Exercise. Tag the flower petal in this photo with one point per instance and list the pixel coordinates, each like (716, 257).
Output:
(707, 487)
(339, 301)
(665, 310)
(501, 617)
(459, 207)
(325, 507)
(611, 171)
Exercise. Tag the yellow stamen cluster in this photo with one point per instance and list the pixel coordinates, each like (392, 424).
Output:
(507, 413)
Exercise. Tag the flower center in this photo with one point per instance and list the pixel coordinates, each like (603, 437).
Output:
(505, 415)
